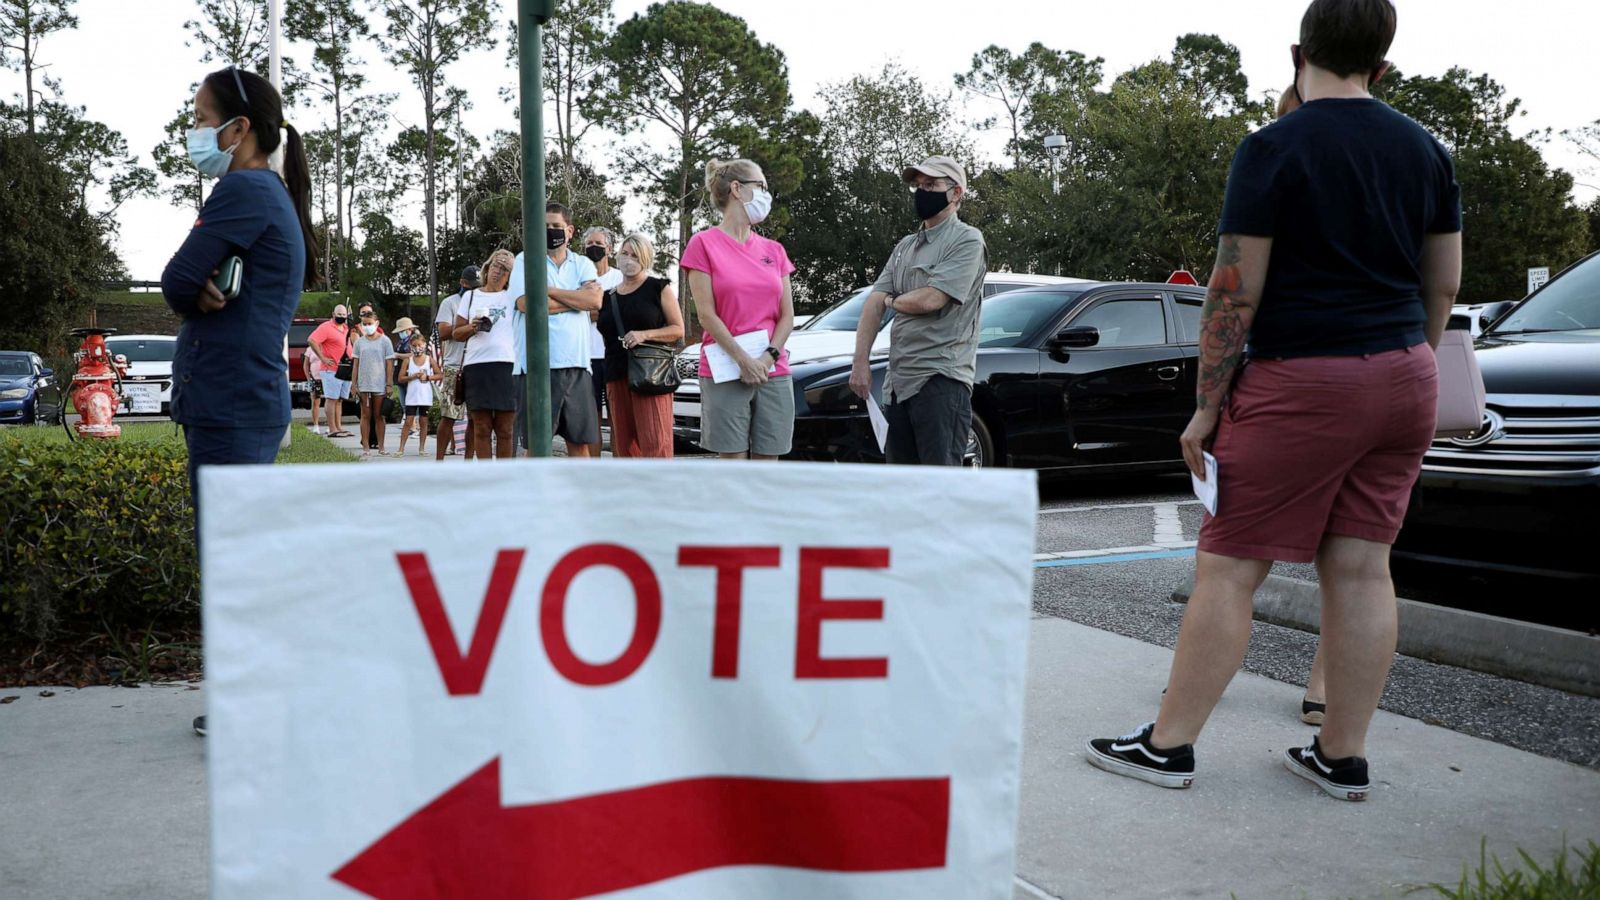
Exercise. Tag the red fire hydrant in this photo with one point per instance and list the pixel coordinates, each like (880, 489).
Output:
(94, 387)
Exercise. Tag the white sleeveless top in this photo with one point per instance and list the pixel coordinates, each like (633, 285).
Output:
(419, 393)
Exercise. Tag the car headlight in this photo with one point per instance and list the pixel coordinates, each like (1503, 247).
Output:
(15, 394)
(833, 398)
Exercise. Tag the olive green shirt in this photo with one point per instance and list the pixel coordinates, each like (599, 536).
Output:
(953, 258)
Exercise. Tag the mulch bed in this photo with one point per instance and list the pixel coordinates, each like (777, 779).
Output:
(98, 660)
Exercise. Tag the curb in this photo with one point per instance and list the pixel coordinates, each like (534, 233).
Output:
(1539, 654)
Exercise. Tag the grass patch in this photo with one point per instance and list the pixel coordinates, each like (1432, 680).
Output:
(1561, 880)
(304, 447)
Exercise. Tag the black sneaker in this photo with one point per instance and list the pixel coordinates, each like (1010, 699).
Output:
(1345, 778)
(200, 725)
(1134, 756)
(1311, 712)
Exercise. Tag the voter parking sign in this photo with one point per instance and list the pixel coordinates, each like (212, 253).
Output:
(640, 679)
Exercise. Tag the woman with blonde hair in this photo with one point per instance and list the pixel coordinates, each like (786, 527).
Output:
(643, 309)
(740, 284)
(483, 321)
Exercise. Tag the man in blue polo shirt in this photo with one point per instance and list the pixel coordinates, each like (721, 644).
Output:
(574, 291)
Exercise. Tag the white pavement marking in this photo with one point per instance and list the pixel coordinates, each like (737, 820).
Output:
(1084, 509)
(1114, 551)
(1033, 890)
(1169, 528)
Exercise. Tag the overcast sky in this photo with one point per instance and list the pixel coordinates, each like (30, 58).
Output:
(129, 65)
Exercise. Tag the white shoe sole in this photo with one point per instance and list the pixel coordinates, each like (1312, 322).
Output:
(1337, 791)
(1118, 767)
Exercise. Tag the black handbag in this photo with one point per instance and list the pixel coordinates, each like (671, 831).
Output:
(652, 367)
(346, 367)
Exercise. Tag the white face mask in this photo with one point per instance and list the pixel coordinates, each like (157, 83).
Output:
(757, 207)
(369, 329)
(629, 266)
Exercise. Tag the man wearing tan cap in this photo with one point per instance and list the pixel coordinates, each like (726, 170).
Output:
(933, 283)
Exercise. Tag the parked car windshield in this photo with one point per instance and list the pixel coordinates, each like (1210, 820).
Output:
(142, 351)
(843, 315)
(300, 333)
(12, 366)
(1010, 319)
(1569, 303)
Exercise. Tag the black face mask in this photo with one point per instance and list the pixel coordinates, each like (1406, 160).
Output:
(930, 203)
(338, 320)
(595, 253)
(555, 238)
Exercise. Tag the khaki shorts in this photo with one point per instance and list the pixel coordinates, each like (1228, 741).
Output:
(756, 418)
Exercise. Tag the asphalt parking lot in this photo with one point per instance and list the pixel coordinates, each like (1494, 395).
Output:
(1110, 553)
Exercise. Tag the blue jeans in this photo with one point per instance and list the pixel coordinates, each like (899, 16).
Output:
(226, 447)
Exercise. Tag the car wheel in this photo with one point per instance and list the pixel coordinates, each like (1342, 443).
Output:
(980, 446)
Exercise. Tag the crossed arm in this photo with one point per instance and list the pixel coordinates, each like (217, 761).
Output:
(585, 299)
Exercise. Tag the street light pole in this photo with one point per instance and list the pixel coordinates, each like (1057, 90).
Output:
(531, 16)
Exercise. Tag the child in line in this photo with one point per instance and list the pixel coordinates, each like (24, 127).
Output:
(371, 373)
(417, 374)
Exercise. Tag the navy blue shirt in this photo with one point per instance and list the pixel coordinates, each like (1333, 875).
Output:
(229, 369)
(1347, 189)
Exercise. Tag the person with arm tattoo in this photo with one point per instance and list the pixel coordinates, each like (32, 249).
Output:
(1338, 258)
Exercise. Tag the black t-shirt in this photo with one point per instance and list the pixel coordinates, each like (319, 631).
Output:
(641, 311)
(1347, 189)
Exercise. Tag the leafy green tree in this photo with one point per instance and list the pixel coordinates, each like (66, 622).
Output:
(23, 24)
(853, 206)
(493, 197)
(232, 32)
(333, 27)
(1517, 212)
(700, 74)
(424, 38)
(182, 183)
(103, 173)
(53, 252)
(1022, 83)
(575, 70)
(390, 265)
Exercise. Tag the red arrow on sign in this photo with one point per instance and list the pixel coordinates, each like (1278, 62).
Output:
(465, 844)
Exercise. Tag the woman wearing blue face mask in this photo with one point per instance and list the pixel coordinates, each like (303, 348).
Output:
(230, 380)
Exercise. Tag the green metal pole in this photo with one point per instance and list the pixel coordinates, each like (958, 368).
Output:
(531, 16)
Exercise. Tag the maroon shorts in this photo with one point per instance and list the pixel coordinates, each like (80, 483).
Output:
(1320, 446)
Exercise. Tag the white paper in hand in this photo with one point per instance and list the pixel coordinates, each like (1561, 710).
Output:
(880, 425)
(1207, 490)
(723, 366)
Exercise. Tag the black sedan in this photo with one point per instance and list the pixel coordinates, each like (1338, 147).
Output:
(1520, 494)
(1093, 377)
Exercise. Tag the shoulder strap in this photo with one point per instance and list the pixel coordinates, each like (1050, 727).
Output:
(616, 312)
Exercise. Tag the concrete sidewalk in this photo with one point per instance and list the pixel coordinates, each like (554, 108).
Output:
(102, 794)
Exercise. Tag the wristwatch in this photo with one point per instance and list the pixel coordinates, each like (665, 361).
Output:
(776, 356)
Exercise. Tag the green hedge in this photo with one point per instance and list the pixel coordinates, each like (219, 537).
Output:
(96, 535)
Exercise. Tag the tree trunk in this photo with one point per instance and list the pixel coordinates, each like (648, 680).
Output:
(685, 223)
(27, 60)
(337, 238)
(428, 204)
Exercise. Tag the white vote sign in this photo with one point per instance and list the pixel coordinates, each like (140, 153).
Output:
(643, 679)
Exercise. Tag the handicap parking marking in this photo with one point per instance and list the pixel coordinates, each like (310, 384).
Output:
(1112, 555)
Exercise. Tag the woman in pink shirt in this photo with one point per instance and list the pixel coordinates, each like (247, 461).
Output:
(740, 284)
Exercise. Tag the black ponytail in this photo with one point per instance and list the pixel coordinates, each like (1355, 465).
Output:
(262, 105)
(297, 176)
